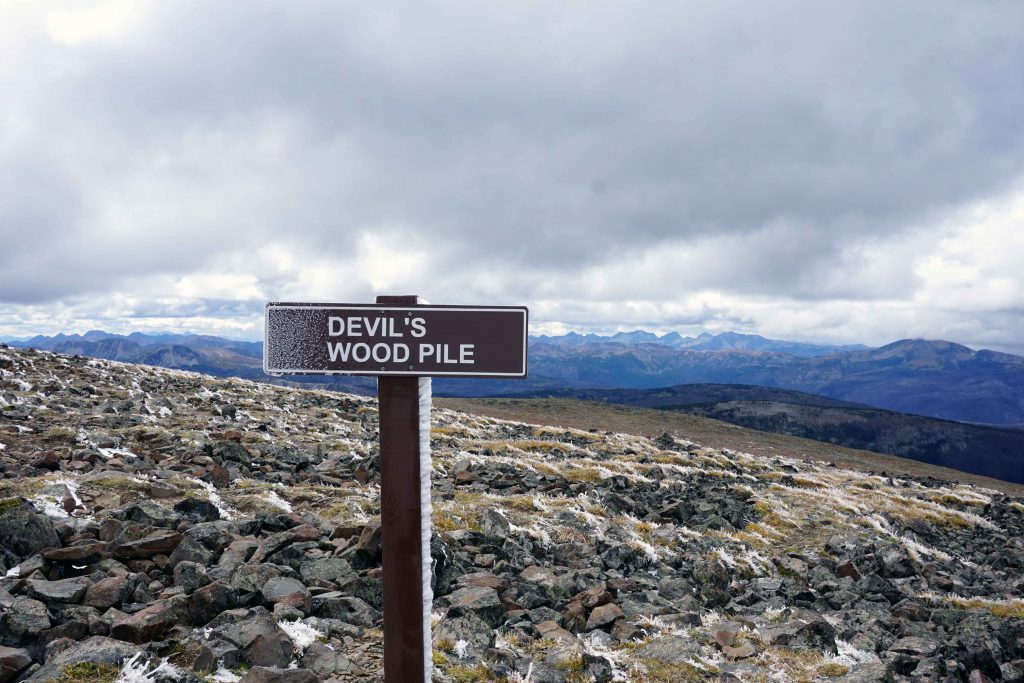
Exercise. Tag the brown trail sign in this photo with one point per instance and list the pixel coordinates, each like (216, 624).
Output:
(395, 339)
(404, 343)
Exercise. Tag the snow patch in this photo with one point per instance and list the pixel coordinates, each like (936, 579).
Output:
(302, 635)
(222, 675)
(52, 505)
(111, 452)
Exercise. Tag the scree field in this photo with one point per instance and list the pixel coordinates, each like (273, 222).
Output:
(160, 525)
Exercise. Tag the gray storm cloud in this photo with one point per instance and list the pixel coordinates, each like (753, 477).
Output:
(522, 151)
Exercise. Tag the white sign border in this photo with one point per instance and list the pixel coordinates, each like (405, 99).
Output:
(397, 373)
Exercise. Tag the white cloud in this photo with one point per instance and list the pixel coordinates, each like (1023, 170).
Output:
(80, 23)
(836, 172)
(236, 286)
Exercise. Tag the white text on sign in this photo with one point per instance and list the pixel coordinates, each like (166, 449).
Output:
(386, 352)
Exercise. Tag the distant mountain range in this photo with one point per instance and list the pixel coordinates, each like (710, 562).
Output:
(703, 342)
(984, 450)
(931, 378)
(199, 353)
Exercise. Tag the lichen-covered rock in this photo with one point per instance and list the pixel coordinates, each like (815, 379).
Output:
(23, 620)
(345, 608)
(23, 530)
(467, 632)
(97, 650)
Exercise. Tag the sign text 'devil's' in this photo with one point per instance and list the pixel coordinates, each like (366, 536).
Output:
(395, 340)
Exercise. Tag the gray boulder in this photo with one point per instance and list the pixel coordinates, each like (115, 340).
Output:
(24, 621)
(64, 590)
(345, 608)
(481, 601)
(107, 593)
(672, 649)
(285, 589)
(260, 639)
(12, 662)
(478, 636)
(250, 578)
(23, 531)
(325, 569)
(190, 576)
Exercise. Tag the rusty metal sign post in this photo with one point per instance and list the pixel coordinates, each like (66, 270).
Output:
(404, 343)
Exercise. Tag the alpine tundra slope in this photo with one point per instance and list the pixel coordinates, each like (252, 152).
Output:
(162, 525)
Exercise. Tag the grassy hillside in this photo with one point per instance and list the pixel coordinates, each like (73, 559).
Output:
(980, 449)
(648, 422)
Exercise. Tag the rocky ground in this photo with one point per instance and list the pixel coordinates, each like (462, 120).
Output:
(159, 525)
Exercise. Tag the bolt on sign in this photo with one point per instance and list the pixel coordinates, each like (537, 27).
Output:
(404, 343)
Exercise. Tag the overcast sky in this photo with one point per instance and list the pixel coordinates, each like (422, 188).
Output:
(848, 172)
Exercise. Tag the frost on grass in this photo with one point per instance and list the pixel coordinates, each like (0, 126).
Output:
(915, 549)
(277, 501)
(849, 655)
(139, 670)
(226, 512)
(619, 659)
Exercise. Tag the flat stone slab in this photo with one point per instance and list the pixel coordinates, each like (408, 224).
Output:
(66, 590)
